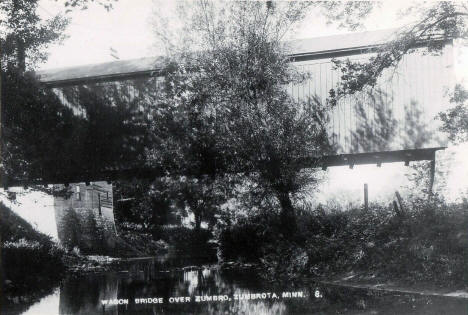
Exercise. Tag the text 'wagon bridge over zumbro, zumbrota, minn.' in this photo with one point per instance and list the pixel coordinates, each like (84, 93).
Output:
(374, 126)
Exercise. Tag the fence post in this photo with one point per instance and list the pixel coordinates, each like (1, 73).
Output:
(99, 203)
(366, 197)
(400, 202)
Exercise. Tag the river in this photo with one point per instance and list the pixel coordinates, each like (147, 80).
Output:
(164, 286)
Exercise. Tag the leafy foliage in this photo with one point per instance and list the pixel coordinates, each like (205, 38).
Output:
(145, 202)
(87, 231)
(245, 240)
(27, 263)
(348, 14)
(114, 131)
(71, 226)
(436, 23)
(37, 129)
(41, 133)
(24, 37)
(229, 102)
(30, 259)
(425, 243)
(455, 120)
(83, 4)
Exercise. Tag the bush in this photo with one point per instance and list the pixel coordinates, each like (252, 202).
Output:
(427, 242)
(29, 259)
(71, 227)
(243, 242)
(423, 244)
(85, 229)
(189, 241)
(27, 262)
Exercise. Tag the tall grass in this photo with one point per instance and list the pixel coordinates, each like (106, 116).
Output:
(30, 260)
(427, 242)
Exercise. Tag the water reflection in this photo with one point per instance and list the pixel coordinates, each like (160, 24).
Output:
(47, 305)
(152, 279)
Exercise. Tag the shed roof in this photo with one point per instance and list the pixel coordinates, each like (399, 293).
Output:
(300, 47)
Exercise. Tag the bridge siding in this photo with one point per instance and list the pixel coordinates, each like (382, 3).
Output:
(419, 79)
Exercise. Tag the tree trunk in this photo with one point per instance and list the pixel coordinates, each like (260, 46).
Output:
(287, 216)
(21, 55)
(198, 218)
(20, 45)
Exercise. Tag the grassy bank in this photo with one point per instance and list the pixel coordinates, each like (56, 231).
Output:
(30, 261)
(425, 242)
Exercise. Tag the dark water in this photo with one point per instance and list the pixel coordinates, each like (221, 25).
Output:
(178, 288)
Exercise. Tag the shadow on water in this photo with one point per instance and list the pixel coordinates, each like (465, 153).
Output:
(165, 279)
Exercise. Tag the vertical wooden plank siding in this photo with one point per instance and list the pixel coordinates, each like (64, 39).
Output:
(418, 85)
(415, 90)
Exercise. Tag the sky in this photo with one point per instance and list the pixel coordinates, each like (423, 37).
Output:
(127, 28)
(92, 32)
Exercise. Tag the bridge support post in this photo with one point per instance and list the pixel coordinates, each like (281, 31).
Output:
(432, 175)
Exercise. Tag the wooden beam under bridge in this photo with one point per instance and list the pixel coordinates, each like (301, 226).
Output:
(351, 159)
(377, 158)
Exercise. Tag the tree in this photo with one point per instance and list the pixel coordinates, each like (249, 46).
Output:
(455, 120)
(204, 196)
(41, 133)
(38, 131)
(83, 4)
(24, 37)
(226, 95)
(436, 23)
(146, 202)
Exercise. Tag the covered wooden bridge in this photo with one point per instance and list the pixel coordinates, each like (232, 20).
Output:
(406, 98)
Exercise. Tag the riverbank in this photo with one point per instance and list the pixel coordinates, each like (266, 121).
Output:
(359, 281)
(425, 243)
(427, 289)
(31, 263)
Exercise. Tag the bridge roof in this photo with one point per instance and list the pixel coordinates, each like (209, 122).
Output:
(312, 47)
(340, 43)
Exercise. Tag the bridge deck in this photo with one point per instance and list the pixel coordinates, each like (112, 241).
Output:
(377, 158)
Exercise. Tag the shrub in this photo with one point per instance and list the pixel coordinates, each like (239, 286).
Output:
(85, 229)
(242, 242)
(26, 262)
(428, 242)
(423, 244)
(71, 227)
(189, 241)
(29, 259)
